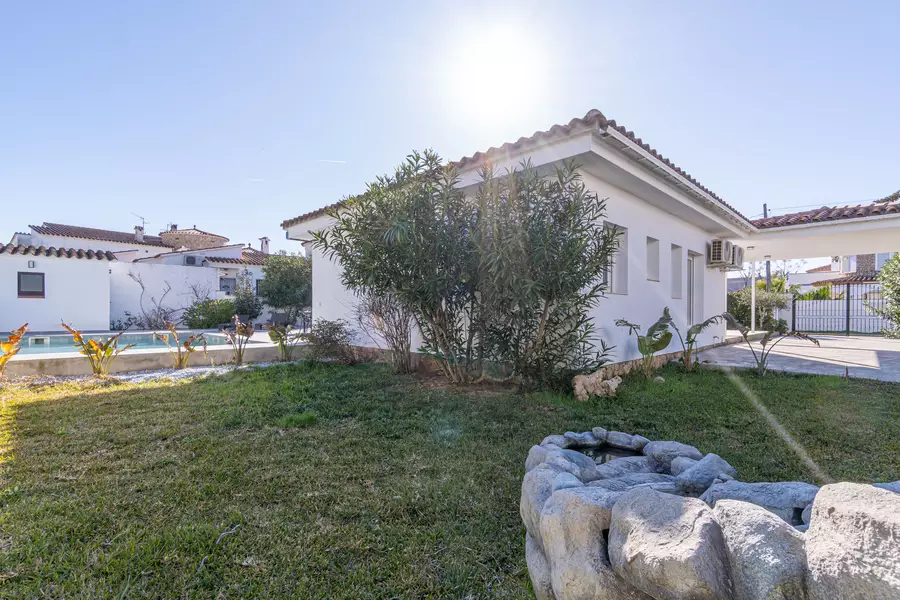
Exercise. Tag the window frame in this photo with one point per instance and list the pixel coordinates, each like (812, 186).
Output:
(26, 294)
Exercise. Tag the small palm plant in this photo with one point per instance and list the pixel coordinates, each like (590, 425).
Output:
(100, 354)
(10, 347)
(238, 338)
(286, 338)
(656, 339)
(689, 344)
(181, 352)
(762, 358)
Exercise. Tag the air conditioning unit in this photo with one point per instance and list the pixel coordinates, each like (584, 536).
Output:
(719, 253)
(190, 260)
(737, 257)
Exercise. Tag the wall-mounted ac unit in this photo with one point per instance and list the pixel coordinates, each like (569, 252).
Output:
(190, 260)
(718, 253)
(737, 257)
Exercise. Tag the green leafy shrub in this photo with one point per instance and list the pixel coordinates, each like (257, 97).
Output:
(689, 343)
(332, 340)
(246, 302)
(738, 305)
(209, 314)
(889, 277)
(300, 420)
(821, 293)
(506, 281)
(286, 338)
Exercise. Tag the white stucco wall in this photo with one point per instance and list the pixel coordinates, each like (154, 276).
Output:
(644, 300)
(76, 291)
(125, 293)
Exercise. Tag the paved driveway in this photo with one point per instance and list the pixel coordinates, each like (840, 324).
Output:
(860, 356)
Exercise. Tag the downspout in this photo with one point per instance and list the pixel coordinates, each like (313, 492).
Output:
(753, 298)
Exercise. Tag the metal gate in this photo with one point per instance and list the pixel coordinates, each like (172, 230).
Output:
(851, 308)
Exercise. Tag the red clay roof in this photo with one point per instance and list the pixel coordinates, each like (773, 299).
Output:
(829, 213)
(852, 279)
(90, 233)
(822, 269)
(249, 256)
(593, 119)
(57, 252)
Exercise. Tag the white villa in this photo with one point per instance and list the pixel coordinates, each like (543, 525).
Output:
(679, 239)
(92, 277)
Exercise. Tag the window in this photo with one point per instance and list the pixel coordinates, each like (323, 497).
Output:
(227, 284)
(257, 286)
(881, 258)
(652, 259)
(31, 285)
(677, 271)
(617, 272)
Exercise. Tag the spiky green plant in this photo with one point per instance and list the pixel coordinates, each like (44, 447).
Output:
(689, 343)
(100, 354)
(762, 357)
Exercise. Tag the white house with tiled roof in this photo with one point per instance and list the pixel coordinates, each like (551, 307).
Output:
(671, 224)
(95, 277)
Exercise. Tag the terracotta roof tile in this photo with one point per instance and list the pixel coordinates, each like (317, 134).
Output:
(57, 252)
(852, 279)
(829, 213)
(193, 231)
(822, 269)
(249, 256)
(593, 119)
(90, 233)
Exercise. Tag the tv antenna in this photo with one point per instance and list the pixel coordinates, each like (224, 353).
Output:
(143, 220)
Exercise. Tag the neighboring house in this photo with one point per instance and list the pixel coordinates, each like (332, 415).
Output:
(843, 270)
(668, 221)
(137, 271)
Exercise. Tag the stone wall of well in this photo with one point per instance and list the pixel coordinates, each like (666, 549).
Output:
(609, 515)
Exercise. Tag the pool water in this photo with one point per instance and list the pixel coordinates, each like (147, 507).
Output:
(63, 343)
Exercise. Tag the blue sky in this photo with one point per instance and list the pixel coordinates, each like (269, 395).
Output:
(236, 116)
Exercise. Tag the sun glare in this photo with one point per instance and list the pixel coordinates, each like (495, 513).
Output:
(498, 73)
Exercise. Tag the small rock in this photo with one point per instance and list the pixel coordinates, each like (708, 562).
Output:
(893, 486)
(767, 556)
(565, 481)
(659, 379)
(537, 486)
(665, 452)
(555, 440)
(593, 385)
(669, 547)
(626, 482)
(538, 570)
(787, 499)
(853, 543)
(682, 464)
(587, 468)
(600, 433)
(701, 475)
(581, 440)
(624, 466)
(807, 514)
(573, 523)
(626, 441)
(536, 455)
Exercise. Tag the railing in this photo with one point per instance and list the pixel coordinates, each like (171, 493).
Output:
(852, 309)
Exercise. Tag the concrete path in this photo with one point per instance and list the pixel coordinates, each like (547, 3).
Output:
(859, 356)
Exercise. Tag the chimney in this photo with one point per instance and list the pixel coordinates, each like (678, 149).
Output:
(173, 227)
(138, 233)
(264, 245)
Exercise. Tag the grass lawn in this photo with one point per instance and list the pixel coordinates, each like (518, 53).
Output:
(394, 488)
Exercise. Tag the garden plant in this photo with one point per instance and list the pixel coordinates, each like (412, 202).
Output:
(238, 336)
(766, 343)
(689, 342)
(655, 340)
(10, 347)
(100, 354)
(181, 350)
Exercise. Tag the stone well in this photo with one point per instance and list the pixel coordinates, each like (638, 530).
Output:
(609, 516)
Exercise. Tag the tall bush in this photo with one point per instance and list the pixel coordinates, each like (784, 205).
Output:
(889, 277)
(738, 304)
(287, 284)
(246, 302)
(505, 278)
(208, 314)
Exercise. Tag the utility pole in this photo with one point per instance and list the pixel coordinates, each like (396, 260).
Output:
(768, 262)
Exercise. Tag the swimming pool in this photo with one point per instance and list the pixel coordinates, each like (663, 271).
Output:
(64, 343)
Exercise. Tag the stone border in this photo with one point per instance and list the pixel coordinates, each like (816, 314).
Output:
(659, 519)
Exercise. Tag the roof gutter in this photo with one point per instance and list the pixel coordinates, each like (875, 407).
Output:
(647, 160)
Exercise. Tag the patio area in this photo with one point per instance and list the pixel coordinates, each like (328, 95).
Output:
(870, 357)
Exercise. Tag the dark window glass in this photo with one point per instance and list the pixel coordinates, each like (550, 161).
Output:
(31, 285)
